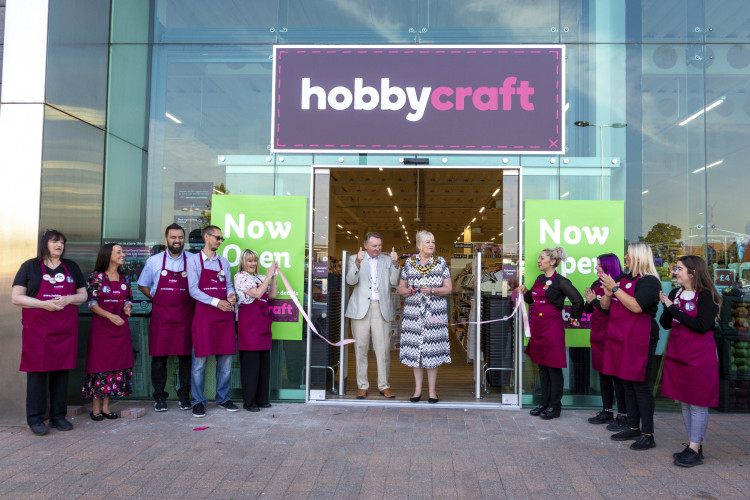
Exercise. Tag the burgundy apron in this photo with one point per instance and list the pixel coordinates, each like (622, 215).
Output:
(598, 336)
(547, 343)
(691, 365)
(110, 347)
(254, 325)
(213, 329)
(50, 338)
(171, 314)
(628, 337)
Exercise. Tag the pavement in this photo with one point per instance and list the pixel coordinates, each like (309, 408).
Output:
(296, 451)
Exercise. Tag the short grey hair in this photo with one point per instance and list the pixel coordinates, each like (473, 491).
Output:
(421, 236)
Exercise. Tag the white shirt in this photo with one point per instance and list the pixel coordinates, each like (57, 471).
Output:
(373, 261)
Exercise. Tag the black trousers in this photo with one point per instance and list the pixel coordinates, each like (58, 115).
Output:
(612, 388)
(36, 395)
(255, 374)
(159, 376)
(551, 380)
(639, 398)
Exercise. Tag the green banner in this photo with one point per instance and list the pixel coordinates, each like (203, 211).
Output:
(276, 228)
(585, 229)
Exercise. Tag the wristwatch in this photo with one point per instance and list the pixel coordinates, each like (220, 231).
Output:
(614, 289)
(432, 291)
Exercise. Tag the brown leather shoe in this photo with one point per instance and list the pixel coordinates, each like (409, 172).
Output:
(387, 393)
(361, 393)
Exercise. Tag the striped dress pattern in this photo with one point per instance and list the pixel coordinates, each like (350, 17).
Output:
(421, 339)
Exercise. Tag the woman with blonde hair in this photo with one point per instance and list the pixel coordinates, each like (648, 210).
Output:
(425, 283)
(691, 368)
(547, 343)
(632, 335)
(254, 329)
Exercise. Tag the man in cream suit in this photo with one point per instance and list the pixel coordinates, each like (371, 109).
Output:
(371, 311)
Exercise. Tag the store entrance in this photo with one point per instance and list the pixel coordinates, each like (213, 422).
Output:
(475, 218)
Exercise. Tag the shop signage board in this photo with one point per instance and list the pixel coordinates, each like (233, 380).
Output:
(437, 99)
(275, 227)
(585, 229)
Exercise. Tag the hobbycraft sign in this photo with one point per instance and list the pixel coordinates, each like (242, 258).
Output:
(275, 227)
(418, 99)
(585, 229)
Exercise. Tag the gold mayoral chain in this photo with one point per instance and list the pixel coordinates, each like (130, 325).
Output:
(423, 270)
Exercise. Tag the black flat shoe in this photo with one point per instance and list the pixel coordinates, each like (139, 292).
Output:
(433, 400)
(110, 416)
(550, 413)
(536, 411)
(265, 405)
(97, 417)
(415, 399)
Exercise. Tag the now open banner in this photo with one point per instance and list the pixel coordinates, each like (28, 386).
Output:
(275, 227)
(438, 99)
(585, 229)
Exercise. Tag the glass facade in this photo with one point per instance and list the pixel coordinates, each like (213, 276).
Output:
(170, 91)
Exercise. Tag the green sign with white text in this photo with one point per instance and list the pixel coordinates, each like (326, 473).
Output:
(276, 228)
(586, 230)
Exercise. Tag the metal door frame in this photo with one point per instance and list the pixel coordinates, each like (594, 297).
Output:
(343, 353)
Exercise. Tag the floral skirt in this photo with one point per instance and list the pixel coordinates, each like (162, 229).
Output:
(108, 384)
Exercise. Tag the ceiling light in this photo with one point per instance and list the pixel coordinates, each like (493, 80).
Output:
(288, 193)
(339, 225)
(172, 117)
(399, 218)
(389, 191)
(356, 236)
(565, 194)
(493, 238)
(708, 166)
(404, 227)
(496, 191)
(644, 191)
(511, 227)
(472, 220)
(704, 110)
(481, 210)
(323, 237)
(218, 191)
(500, 234)
(381, 169)
(395, 207)
(349, 232)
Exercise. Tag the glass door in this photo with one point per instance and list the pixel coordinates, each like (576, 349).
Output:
(473, 214)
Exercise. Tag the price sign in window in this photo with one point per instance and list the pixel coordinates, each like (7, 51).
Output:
(724, 277)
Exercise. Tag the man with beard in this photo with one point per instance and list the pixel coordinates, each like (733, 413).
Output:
(164, 280)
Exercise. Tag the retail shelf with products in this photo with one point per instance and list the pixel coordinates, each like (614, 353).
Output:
(733, 345)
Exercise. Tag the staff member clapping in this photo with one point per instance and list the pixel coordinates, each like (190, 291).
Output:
(632, 335)
(48, 288)
(547, 343)
(254, 323)
(691, 368)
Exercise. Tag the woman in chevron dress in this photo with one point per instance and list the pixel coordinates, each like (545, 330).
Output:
(425, 283)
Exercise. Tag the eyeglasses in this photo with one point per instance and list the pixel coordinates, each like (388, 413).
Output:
(218, 238)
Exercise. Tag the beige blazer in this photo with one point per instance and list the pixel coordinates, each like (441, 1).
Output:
(360, 281)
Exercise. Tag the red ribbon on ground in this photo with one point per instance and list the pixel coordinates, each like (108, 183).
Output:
(304, 313)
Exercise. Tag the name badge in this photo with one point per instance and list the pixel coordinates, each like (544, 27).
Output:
(689, 306)
(628, 285)
(59, 277)
(548, 282)
(221, 273)
(163, 272)
(46, 277)
(124, 286)
(106, 289)
(184, 274)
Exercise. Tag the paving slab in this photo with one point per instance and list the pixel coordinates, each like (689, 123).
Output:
(319, 451)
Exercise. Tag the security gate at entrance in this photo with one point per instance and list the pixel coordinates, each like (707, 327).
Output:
(475, 217)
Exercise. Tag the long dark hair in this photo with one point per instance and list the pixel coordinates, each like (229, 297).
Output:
(42, 252)
(104, 257)
(698, 270)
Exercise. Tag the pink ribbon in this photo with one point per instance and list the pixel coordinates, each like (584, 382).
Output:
(304, 314)
(516, 297)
